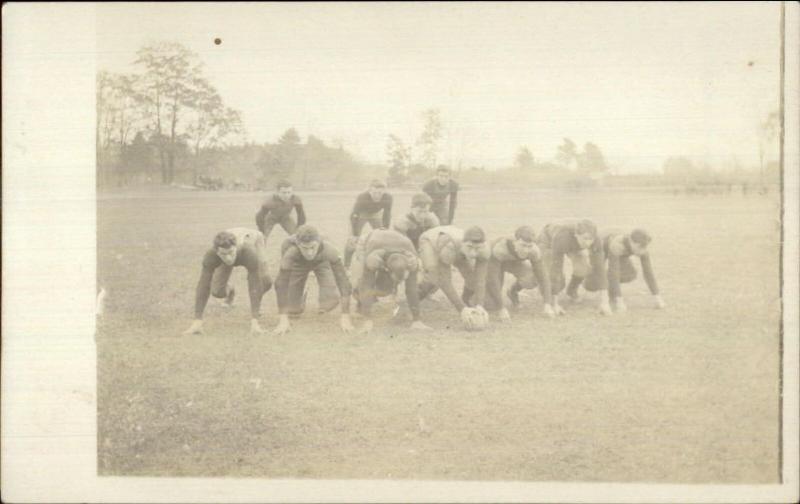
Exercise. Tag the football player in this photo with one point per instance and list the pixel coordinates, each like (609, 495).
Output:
(418, 220)
(374, 206)
(278, 210)
(234, 247)
(441, 189)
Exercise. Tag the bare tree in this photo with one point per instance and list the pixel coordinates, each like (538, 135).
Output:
(429, 139)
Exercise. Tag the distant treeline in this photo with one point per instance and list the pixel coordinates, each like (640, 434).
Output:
(166, 124)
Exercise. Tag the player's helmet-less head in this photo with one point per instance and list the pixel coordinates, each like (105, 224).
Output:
(585, 233)
(524, 238)
(308, 241)
(442, 174)
(639, 240)
(284, 190)
(421, 200)
(474, 239)
(376, 189)
(398, 266)
(225, 247)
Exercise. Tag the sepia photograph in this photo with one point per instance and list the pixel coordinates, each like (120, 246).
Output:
(440, 242)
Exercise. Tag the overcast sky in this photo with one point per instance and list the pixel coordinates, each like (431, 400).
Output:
(643, 81)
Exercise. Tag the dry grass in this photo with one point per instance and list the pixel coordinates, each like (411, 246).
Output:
(688, 394)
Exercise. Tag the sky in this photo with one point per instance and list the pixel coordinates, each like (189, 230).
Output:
(644, 81)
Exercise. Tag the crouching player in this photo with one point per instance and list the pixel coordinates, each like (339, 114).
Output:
(418, 220)
(301, 254)
(444, 247)
(617, 249)
(577, 240)
(383, 259)
(234, 247)
(520, 256)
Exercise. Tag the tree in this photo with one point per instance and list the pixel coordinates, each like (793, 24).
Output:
(280, 160)
(524, 159)
(591, 160)
(399, 158)
(567, 154)
(429, 139)
(168, 85)
(212, 122)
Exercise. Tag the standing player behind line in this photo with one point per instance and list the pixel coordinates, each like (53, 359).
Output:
(440, 189)
(301, 254)
(418, 220)
(576, 239)
(443, 247)
(617, 247)
(231, 248)
(382, 260)
(520, 256)
(367, 209)
(278, 209)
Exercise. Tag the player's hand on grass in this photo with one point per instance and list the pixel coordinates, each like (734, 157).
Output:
(558, 309)
(548, 311)
(195, 328)
(283, 326)
(345, 323)
(255, 327)
(659, 302)
(367, 327)
(504, 315)
(620, 306)
(419, 325)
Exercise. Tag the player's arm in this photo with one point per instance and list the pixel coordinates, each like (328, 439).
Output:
(481, 271)
(342, 282)
(453, 201)
(597, 260)
(494, 282)
(301, 213)
(428, 188)
(366, 294)
(261, 215)
(290, 255)
(412, 295)
(650, 279)
(203, 291)
(387, 211)
(543, 279)
(358, 207)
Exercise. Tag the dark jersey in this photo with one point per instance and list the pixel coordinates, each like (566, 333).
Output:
(278, 209)
(365, 206)
(440, 193)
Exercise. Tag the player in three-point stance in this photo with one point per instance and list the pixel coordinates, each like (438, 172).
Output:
(445, 247)
(577, 240)
(374, 206)
(520, 256)
(301, 254)
(617, 249)
(234, 247)
(382, 261)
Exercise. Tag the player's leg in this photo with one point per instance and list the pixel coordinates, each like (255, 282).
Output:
(328, 291)
(495, 277)
(428, 257)
(524, 279)
(468, 273)
(352, 241)
(220, 287)
(580, 270)
(296, 292)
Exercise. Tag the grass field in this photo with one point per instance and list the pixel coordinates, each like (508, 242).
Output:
(688, 394)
